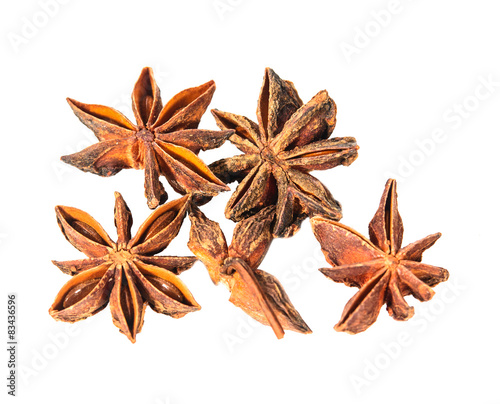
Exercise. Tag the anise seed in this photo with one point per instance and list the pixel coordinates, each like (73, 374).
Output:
(167, 288)
(88, 231)
(78, 292)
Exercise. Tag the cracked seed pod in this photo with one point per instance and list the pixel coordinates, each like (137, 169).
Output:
(126, 273)
(256, 292)
(164, 141)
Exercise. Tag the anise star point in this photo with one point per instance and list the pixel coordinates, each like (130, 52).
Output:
(383, 271)
(125, 273)
(289, 140)
(164, 141)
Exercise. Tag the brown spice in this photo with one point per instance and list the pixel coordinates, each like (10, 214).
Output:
(383, 271)
(256, 292)
(165, 140)
(127, 274)
(290, 140)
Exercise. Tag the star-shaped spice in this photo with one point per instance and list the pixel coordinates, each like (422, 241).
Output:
(383, 271)
(256, 292)
(124, 273)
(290, 140)
(164, 141)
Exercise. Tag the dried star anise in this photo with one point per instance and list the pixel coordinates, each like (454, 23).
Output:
(165, 140)
(290, 140)
(125, 273)
(383, 271)
(256, 292)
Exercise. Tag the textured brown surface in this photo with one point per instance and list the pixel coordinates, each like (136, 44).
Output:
(165, 141)
(256, 292)
(383, 271)
(126, 273)
(290, 139)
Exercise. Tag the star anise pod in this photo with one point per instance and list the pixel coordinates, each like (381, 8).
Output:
(383, 271)
(256, 292)
(290, 140)
(164, 141)
(124, 273)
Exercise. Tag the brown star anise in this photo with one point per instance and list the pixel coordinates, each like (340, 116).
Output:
(165, 140)
(383, 271)
(125, 273)
(290, 140)
(256, 292)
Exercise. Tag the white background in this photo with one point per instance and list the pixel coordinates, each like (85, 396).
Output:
(399, 71)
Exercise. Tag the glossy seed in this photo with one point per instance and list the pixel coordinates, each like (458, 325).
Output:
(88, 231)
(167, 288)
(79, 292)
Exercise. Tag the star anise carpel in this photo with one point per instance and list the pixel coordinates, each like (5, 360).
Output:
(382, 270)
(125, 273)
(256, 292)
(290, 139)
(164, 141)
